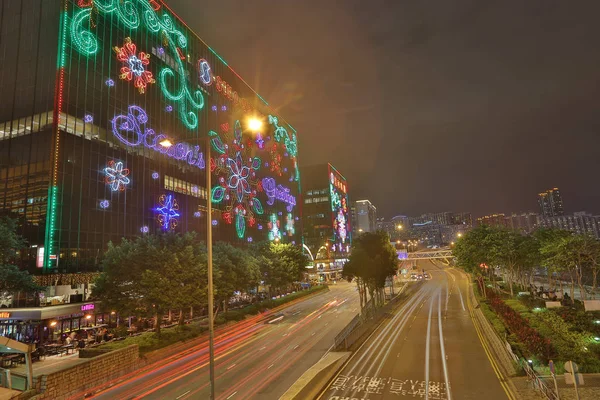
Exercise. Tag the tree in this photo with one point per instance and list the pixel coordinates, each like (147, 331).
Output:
(472, 252)
(11, 242)
(153, 274)
(547, 239)
(281, 264)
(12, 279)
(372, 260)
(238, 270)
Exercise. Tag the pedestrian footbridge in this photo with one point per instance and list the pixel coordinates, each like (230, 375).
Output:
(430, 255)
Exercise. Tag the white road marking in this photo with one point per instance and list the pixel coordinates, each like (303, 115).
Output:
(231, 366)
(181, 395)
(427, 343)
(270, 366)
(262, 348)
(296, 347)
(231, 395)
(443, 348)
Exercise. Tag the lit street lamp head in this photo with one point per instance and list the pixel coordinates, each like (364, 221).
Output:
(166, 143)
(254, 124)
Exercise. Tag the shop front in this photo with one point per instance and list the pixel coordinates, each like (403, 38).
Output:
(49, 324)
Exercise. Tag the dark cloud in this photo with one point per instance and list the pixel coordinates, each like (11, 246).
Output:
(431, 105)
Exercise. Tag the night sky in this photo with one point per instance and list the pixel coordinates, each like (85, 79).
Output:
(427, 106)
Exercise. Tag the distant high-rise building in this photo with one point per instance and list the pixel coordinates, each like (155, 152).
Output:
(492, 220)
(366, 216)
(524, 222)
(551, 204)
(580, 223)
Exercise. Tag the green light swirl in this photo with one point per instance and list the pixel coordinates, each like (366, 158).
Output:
(132, 14)
(85, 41)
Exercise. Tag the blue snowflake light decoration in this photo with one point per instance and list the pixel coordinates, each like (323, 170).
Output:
(168, 212)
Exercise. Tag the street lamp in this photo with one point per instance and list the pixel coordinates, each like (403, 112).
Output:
(166, 143)
(254, 124)
(459, 234)
(360, 230)
(399, 227)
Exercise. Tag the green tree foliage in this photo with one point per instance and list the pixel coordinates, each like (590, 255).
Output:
(238, 271)
(153, 274)
(573, 255)
(372, 260)
(12, 279)
(11, 243)
(281, 265)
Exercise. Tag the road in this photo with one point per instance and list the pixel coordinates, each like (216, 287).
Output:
(257, 359)
(429, 341)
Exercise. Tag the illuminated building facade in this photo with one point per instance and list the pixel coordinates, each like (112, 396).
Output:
(326, 218)
(366, 216)
(108, 108)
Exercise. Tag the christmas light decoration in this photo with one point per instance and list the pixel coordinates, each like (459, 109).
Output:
(169, 108)
(85, 42)
(174, 85)
(274, 191)
(134, 65)
(88, 118)
(215, 222)
(204, 72)
(128, 129)
(238, 178)
(274, 232)
(109, 82)
(197, 214)
(259, 141)
(289, 225)
(144, 229)
(281, 134)
(104, 204)
(168, 215)
(155, 175)
(275, 160)
(116, 176)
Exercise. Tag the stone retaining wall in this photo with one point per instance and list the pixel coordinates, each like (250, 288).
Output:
(62, 384)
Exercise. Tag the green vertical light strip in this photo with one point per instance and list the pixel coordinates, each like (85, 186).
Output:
(49, 239)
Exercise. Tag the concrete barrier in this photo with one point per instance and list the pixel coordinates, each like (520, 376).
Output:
(310, 384)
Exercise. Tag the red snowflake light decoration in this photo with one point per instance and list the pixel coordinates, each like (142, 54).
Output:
(134, 65)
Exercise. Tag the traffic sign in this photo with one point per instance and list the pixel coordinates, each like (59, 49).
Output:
(568, 367)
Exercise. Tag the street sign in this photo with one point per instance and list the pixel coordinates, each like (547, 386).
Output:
(568, 367)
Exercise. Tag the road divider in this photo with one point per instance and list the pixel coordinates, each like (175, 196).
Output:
(312, 381)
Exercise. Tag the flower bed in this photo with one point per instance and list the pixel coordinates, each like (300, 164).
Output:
(531, 339)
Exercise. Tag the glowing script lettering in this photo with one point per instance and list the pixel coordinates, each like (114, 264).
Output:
(278, 192)
(130, 129)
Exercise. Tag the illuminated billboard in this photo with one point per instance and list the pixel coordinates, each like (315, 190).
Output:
(340, 211)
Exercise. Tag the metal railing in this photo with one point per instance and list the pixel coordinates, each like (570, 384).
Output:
(537, 382)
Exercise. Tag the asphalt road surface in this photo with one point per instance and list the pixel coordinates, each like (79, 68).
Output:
(257, 359)
(427, 348)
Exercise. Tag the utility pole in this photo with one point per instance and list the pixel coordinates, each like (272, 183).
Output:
(211, 315)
